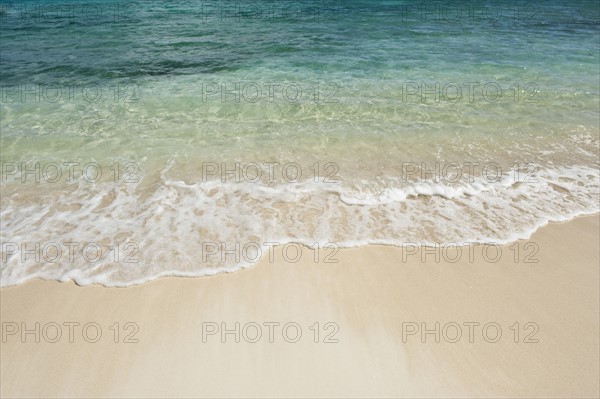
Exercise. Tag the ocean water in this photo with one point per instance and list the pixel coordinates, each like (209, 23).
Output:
(142, 139)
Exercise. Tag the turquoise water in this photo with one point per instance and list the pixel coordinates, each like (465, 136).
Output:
(165, 95)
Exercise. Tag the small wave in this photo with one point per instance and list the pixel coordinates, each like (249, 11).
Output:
(164, 226)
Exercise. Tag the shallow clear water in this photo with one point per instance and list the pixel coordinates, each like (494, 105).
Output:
(408, 121)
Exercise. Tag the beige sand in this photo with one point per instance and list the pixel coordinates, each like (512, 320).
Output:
(369, 294)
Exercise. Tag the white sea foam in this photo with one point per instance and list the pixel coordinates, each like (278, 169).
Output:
(163, 230)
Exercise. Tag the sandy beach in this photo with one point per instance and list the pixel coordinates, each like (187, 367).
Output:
(314, 199)
(508, 326)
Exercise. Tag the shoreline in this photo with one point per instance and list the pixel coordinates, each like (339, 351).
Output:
(371, 302)
(305, 246)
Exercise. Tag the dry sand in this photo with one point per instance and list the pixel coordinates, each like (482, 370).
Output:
(371, 294)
